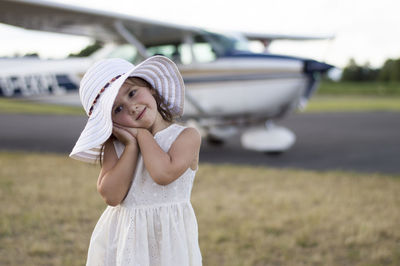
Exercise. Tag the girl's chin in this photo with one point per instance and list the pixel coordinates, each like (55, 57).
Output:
(144, 124)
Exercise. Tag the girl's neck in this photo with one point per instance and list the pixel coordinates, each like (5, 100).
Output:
(159, 124)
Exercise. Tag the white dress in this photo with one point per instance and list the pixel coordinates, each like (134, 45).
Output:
(154, 225)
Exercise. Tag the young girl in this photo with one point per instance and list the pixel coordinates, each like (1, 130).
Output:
(148, 164)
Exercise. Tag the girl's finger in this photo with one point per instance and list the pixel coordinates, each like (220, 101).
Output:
(116, 125)
(120, 127)
(118, 131)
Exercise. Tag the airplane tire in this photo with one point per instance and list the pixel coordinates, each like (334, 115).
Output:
(215, 141)
(273, 153)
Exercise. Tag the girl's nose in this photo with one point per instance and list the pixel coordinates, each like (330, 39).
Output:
(134, 108)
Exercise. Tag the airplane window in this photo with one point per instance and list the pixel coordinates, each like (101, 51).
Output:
(257, 47)
(179, 54)
(185, 54)
(203, 52)
(165, 50)
(224, 44)
(182, 53)
(126, 51)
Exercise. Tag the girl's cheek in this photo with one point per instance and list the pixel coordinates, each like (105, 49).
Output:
(124, 120)
(117, 119)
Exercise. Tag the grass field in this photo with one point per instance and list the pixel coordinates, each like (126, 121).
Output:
(352, 103)
(359, 88)
(355, 96)
(247, 215)
(19, 106)
(331, 97)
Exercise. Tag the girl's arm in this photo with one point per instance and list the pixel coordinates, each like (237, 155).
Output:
(164, 167)
(116, 174)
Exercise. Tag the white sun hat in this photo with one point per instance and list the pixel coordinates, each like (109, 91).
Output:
(99, 87)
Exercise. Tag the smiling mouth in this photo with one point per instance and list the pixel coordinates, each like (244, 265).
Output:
(141, 114)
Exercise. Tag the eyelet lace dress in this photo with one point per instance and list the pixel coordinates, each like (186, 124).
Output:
(154, 225)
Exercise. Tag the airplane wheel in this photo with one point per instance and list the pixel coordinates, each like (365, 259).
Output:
(215, 141)
(273, 153)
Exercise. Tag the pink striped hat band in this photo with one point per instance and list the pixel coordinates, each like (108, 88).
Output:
(100, 85)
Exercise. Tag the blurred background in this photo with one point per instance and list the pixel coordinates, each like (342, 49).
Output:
(331, 199)
(364, 30)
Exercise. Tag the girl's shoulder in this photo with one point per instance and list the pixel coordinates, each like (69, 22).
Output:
(187, 131)
(187, 135)
(176, 129)
(179, 136)
(186, 147)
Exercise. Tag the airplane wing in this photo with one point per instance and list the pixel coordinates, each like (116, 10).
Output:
(103, 25)
(98, 24)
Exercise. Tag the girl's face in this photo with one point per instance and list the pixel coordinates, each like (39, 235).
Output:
(134, 106)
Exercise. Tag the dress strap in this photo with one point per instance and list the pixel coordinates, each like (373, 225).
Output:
(166, 137)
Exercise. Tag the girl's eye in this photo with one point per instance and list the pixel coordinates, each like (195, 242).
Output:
(132, 93)
(117, 109)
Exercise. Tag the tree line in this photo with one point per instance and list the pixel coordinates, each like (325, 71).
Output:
(390, 71)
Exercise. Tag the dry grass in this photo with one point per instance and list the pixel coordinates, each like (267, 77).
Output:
(353, 103)
(24, 106)
(319, 103)
(246, 215)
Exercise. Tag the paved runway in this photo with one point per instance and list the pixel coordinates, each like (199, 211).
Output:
(363, 142)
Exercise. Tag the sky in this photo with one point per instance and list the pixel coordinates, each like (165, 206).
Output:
(366, 30)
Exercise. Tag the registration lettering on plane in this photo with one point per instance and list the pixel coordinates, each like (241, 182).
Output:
(37, 84)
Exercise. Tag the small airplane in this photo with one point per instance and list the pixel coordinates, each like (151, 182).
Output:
(229, 88)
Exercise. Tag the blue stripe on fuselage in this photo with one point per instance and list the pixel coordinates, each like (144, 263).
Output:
(245, 77)
(309, 65)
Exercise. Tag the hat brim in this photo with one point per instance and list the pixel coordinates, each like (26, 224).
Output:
(160, 73)
(98, 127)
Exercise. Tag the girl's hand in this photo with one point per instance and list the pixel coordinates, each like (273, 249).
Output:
(127, 135)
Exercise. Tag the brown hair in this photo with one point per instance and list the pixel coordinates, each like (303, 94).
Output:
(162, 107)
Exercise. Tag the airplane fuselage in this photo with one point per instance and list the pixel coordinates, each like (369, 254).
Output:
(231, 86)
(243, 86)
